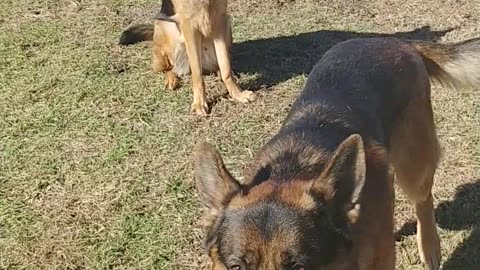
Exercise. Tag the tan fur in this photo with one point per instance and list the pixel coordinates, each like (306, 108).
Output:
(200, 13)
(169, 54)
(415, 153)
(201, 45)
(295, 196)
(195, 40)
(456, 64)
(373, 229)
(216, 264)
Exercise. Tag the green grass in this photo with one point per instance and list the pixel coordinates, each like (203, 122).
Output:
(95, 156)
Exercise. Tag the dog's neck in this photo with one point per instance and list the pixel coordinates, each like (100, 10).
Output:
(295, 154)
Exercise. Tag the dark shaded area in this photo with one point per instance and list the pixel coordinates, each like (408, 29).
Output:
(167, 8)
(281, 58)
(462, 213)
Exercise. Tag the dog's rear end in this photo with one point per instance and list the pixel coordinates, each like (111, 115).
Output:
(414, 145)
(454, 65)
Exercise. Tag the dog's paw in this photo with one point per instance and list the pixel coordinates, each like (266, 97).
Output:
(171, 81)
(430, 254)
(199, 109)
(246, 97)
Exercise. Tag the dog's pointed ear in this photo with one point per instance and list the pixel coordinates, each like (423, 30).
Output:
(342, 181)
(214, 182)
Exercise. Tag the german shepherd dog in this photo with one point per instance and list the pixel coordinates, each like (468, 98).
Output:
(319, 195)
(191, 35)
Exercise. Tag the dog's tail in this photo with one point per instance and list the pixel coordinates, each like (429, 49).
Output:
(454, 64)
(137, 33)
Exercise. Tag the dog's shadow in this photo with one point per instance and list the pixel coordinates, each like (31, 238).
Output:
(278, 59)
(462, 213)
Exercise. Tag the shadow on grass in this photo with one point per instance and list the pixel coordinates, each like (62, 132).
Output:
(462, 213)
(281, 58)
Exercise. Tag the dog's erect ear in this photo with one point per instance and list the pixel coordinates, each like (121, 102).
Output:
(342, 181)
(213, 180)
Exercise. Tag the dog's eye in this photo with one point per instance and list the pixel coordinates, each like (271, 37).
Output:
(235, 267)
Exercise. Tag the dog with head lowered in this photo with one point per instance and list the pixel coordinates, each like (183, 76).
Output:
(191, 36)
(320, 194)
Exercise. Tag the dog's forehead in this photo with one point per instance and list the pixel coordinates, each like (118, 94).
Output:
(264, 231)
(265, 216)
(294, 194)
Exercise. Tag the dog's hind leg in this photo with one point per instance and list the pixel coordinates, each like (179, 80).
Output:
(164, 39)
(221, 39)
(160, 63)
(414, 155)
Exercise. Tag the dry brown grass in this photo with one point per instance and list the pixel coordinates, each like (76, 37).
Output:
(95, 157)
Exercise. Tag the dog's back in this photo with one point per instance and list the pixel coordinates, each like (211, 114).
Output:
(363, 85)
(359, 86)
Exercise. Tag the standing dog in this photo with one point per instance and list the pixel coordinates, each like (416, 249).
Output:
(191, 35)
(319, 195)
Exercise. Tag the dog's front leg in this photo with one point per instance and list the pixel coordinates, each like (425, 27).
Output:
(221, 37)
(193, 43)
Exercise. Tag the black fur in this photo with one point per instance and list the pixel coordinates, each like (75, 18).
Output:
(167, 8)
(166, 12)
(144, 32)
(137, 33)
(354, 89)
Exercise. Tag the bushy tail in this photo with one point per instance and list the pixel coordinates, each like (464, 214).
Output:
(455, 64)
(137, 33)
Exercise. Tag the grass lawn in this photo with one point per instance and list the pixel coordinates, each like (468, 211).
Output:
(95, 156)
